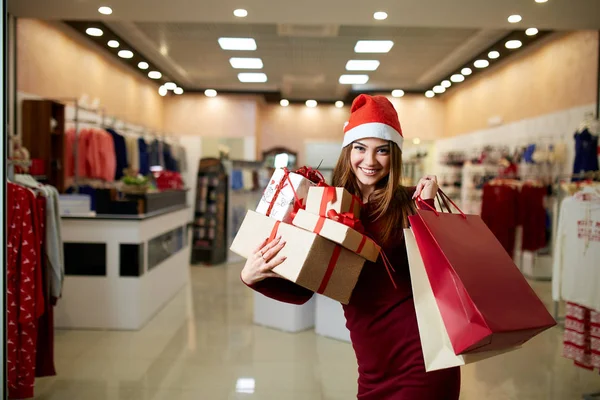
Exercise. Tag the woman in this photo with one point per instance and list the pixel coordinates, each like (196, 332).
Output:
(381, 319)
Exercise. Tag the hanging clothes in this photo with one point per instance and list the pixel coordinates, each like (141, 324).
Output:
(532, 216)
(133, 152)
(581, 340)
(586, 152)
(25, 302)
(96, 157)
(144, 155)
(120, 153)
(170, 164)
(499, 210)
(576, 276)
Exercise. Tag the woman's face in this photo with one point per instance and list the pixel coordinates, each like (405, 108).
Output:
(370, 160)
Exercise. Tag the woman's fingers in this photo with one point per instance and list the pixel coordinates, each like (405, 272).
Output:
(418, 189)
(268, 255)
(273, 263)
(264, 242)
(261, 252)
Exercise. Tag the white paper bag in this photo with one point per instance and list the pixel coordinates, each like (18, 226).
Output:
(437, 348)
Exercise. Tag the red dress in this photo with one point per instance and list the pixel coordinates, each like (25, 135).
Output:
(383, 329)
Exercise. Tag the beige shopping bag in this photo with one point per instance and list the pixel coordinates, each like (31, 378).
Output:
(438, 352)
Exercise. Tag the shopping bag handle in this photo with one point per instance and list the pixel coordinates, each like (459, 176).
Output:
(444, 201)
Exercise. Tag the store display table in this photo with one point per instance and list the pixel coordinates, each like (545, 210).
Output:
(330, 320)
(121, 269)
(283, 316)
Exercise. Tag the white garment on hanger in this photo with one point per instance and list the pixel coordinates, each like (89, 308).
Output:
(576, 269)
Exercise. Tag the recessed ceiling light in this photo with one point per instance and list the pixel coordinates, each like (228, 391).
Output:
(439, 89)
(162, 90)
(513, 19)
(446, 83)
(493, 54)
(531, 32)
(105, 10)
(416, 141)
(398, 93)
(380, 15)
(466, 71)
(125, 53)
(373, 46)
(237, 43)
(178, 90)
(252, 77)
(541, 1)
(210, 93)
(429, 94)
(311, 103)
(154, 75)
(513, 44)
(284, 102)
(354, 79)
(171, 85)
(94, 32)
(143, 65)
(240, 13)
(481, 63)
(339, 104)
(246, 63)
(113, 43)
(362, 65)
(457, 78)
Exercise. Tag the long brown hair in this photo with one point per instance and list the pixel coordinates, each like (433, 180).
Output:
(389, 202)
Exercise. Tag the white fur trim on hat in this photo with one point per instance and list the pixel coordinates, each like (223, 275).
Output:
(373, 130)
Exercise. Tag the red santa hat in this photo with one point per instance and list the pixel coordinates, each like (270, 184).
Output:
(372, 117)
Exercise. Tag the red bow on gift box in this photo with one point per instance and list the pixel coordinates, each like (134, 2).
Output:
(312, 175)
(348, 219)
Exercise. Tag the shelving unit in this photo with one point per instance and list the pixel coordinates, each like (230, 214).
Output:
(209, 244)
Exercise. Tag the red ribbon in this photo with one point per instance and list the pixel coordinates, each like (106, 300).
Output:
(328, 197)
(312, 175)
(347, 218)
(330, 267)
(274, 231)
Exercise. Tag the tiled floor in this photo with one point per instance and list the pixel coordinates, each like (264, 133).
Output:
(203, 345)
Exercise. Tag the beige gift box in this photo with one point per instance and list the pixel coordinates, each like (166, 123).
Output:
(311, 259)
(338, 233)
(318, 202)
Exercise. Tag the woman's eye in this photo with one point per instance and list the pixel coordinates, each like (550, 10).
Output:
(384, 151)
(359, 148)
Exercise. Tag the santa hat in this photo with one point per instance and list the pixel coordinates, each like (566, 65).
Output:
(373, 117)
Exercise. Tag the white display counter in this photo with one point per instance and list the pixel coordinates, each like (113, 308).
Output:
(330, 320)
(283, 316)
(121, 270)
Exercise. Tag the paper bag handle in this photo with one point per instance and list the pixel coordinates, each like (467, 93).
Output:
(444, 201)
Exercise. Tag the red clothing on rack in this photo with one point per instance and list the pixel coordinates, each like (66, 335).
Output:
(96, 157)
(24, 303)
(499, 211)
(533, 216)
(383, 328)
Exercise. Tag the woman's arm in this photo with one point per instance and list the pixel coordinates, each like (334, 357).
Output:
(282, 290)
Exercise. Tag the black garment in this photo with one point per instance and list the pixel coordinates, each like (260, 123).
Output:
(120, 153)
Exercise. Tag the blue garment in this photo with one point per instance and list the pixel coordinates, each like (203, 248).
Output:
(170, 162)
(237, 180)
(586, 152)
(120, 153)
(154, 151)
(144, 157)
(528, 154)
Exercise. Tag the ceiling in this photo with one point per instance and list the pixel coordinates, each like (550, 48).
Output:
(305, 45)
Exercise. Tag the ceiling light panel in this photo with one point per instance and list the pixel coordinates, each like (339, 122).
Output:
(171, 85)
(362, 65)
(246, 63)
(252, 77)
(373, 46)
(531, 32)
(466, 71)
(178, 90)
(429, 94)
(513, 44)
(354, 79)
(457, 78)
(339, 104)
(241, 44)
(210, 93)
(446, 83)
(105, 10)
(481, 64)
(143, 65)
(94, 32)
(493, 54)
(113, 44)
(398, 93)
(240, 13)
(154, 75)
(284, 102)
(513, 19)
(311, 103)
(380, 15)
(125, 53)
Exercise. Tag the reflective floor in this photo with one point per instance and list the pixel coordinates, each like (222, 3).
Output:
(203, 345)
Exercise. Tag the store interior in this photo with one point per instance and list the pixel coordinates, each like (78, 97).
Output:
(167, 121)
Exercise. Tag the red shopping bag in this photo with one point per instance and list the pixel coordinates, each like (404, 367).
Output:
(484, 300)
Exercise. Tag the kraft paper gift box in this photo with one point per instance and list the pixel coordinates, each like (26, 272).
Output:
(322, 199)
(312, 261)
(278, 200)
(338, 233)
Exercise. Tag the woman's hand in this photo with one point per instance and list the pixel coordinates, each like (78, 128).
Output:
(260, 264)
(426, 188)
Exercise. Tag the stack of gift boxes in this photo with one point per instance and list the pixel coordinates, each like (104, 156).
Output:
(325, 244)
